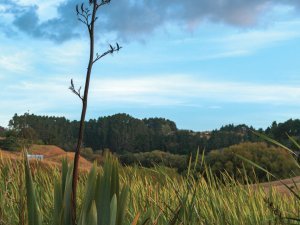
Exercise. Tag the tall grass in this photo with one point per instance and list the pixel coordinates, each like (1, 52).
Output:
(133, 195)
(290, 219)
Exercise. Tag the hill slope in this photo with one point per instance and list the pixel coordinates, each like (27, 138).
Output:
(52, 155)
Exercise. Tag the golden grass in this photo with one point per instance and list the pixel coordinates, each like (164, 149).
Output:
(52, 156)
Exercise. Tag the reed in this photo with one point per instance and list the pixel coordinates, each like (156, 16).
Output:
(31, 193)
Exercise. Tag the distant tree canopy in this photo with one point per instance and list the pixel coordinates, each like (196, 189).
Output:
(276, 160)
(154, 158)
(230, 135)
(2, 131)
(279, 131)
(46, 129)
(122, 133)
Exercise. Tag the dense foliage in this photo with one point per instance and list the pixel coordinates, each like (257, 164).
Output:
(2, 131)
(15, 139)
(155, 158)
(157, 141)
(276, 160)
(48, 130)
(122, 133)
(10, 143)
(279, 132)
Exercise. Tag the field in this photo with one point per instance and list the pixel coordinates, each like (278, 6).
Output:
(52, 155)
(156, 196)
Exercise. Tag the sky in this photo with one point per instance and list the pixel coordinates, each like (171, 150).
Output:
(202, 64)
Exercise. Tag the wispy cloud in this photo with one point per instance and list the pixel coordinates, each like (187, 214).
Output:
(159, 90)
(246, 42)
(15, 62)
(236, 43)
(51, 96)
(156, 90)
(66, 55)
(254, 40)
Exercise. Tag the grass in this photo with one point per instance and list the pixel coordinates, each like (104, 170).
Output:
(155, 196)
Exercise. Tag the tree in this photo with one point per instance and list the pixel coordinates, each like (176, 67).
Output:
(2, 131)
(86, 15)
(10, 143)
(274, 159)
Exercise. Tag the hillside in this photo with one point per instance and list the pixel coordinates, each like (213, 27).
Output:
(52, 155)
(279, 185)
(123, 133)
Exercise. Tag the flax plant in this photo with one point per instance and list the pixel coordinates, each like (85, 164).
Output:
(115, 195)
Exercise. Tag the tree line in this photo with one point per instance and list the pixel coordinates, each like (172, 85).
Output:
(158, 141)
(122, 133)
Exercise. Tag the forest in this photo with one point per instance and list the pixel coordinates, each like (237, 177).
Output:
(158, 141)
(122, 133)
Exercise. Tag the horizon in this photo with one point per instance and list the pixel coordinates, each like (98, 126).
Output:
(200, 64)
(179, 128)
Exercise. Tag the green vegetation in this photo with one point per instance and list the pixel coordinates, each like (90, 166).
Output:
(212, 189)
(2, 131)
(122, 133)
(155, 158)
(10, 144)
(274, 159)
(11, 140)
(42, 205)
(132, 139)
(279, 131)
(155, 196)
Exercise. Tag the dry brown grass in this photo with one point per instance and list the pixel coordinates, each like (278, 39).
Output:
(293, 183)
(52, 155)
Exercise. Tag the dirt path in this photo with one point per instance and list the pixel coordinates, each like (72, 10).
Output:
(293, 183)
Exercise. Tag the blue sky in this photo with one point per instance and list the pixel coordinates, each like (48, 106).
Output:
(202, 64)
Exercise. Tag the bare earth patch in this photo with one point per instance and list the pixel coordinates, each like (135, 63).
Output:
(52, 155)
(293, 183)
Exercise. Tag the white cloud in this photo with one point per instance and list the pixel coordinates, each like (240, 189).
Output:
(46, 9)
(225, 54)
(255, 40)
(251, 41)
(227, 43)
(156, 90)
(66, 54)
(51, 96)
(17, 62)
(181, 90)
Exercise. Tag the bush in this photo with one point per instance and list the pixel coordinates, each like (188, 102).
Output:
(10, 144)
(87, 153)
(150, 159)
(2, 131)
(276, 160)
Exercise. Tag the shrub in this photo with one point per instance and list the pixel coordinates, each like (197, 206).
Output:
(150, 159)
(10, 144)
(276, 160)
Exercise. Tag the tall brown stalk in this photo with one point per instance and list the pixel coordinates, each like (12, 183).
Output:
(86, 15)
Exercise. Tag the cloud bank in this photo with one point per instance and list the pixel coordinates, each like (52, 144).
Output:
(135, 18)
(157, 91)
